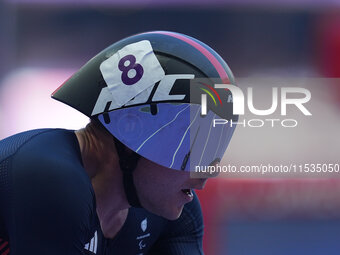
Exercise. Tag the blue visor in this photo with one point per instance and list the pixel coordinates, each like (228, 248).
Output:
(177, 136)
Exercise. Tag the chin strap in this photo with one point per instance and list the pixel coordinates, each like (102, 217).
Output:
(128, 163)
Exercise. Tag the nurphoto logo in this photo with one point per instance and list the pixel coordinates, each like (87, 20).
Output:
(238, 100)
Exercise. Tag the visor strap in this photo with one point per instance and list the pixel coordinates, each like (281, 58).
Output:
(128, 163)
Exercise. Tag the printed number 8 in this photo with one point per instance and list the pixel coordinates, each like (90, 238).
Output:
(131, 66)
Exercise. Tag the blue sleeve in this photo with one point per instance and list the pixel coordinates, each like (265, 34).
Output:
(51, 203)
(182, 236)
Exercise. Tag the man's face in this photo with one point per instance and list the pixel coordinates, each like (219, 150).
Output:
(164, 191)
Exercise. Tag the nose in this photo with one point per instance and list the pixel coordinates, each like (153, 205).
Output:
(200, 183)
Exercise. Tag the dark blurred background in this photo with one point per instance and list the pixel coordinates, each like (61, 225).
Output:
(248, 38)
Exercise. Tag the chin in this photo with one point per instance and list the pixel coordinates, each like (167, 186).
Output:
(173, 214)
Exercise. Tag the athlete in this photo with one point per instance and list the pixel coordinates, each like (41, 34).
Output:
(83, 192)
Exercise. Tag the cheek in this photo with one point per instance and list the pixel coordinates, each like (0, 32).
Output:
(159, 189)
(155, 191)
(156, 180)
(160, 198)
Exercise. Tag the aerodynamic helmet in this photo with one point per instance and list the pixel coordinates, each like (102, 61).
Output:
(146, 90)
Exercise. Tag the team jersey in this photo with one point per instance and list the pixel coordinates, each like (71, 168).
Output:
(48, 206)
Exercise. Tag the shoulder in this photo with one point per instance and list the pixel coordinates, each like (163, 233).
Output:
(47, 170)
(45, 151)
(38, 142)
(12, 144)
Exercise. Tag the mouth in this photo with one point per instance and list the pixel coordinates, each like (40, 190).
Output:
(188, 192)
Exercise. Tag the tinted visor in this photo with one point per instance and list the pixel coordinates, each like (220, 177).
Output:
(173, 135)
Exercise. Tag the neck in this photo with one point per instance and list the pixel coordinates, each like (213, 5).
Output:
(101, 163)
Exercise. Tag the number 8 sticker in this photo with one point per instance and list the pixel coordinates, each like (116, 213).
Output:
(127, 69)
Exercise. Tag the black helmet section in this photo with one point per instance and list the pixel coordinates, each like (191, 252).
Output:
(83, 89)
